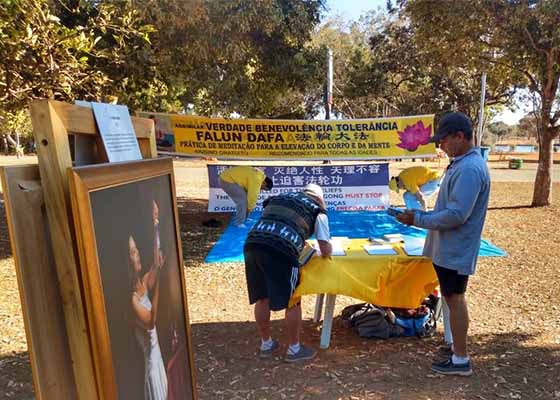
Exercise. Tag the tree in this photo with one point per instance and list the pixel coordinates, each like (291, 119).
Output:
(382, 68)
(501, 130)
(355, 86)
(66, 50)
(520, 38)
(242, 56)
(528, 126)
(17, 123)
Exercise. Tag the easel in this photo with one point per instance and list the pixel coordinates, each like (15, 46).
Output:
(42, 238)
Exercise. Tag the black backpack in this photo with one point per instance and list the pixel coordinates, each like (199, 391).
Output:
(369, 321)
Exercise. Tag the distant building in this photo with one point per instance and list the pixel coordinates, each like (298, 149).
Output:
(522, 146)
(516, 146)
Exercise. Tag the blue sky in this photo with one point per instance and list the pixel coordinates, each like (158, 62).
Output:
(353, 9)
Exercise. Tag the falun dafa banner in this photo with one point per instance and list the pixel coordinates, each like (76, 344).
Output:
(261, 139)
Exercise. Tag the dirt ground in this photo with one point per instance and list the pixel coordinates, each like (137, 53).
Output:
(514, 305)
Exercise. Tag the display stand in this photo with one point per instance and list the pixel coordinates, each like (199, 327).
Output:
(43, 242)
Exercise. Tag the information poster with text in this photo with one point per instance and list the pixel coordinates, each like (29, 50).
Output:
(346, 187)
(298, 139)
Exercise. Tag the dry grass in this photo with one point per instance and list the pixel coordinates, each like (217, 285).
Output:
(514, 304)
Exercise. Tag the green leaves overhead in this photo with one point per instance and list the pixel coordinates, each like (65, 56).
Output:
(236, 56)
(67, 49)
(516, 42)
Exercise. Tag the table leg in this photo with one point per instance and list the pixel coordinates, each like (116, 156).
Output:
(318, 307)
(327, 321)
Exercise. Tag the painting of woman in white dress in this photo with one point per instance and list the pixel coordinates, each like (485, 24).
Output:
(144, 302)
(140, 313)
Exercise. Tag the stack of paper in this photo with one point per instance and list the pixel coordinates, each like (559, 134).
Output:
(393, 237)
(338, 243)
(379, 249)
(377, 240)
(413, 246)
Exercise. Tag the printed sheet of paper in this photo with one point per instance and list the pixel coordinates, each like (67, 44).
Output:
(379, 249)
(337, 242)
(117, 132)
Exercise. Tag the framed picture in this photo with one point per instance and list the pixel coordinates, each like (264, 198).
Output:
(129, 247)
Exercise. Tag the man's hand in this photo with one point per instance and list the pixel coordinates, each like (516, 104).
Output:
(326, 248)
(406, 217)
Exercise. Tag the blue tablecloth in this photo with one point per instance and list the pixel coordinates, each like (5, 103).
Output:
(353, 224)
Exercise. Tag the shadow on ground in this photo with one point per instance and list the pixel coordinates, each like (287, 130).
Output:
(511, 208)
(196, 238)
(15, 376)
(352, 368)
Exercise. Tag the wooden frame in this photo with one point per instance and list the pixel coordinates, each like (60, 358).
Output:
(37, 283)
(53, 122)
(105, 279)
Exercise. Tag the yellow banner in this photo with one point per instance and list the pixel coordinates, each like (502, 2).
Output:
(378, 138)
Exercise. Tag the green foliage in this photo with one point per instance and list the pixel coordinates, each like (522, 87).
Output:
(13, 122)
(528, 126)
(502, 130)
(383, 67)
(237, 56)
(210, 57)
(516, 42)
(70, 49)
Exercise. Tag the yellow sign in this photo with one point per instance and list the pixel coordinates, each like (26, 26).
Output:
(378, 138)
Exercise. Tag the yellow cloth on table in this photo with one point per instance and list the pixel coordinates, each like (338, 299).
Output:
(397, 281)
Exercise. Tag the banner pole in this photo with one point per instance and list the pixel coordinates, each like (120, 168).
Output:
(481, 114)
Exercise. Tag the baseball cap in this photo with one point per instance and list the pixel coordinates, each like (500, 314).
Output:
(314, 189)
(451, 123)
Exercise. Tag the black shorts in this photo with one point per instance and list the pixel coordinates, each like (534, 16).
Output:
(450, 281)
(271, 275)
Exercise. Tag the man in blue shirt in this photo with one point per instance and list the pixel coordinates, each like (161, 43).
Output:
(455, 229)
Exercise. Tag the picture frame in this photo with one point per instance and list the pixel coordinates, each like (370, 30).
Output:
(131, 264)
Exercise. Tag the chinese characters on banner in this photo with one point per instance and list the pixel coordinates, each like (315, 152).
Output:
(346, 187)
(379, 138)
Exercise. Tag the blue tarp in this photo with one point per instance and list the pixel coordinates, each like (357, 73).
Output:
(353, 224)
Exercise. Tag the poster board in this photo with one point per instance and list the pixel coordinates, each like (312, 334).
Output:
(116, 131)
(352, 187)
(267, 139)
(131, 264)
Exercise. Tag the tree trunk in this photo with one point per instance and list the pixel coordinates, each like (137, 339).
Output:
(543, 181)
(19, 152)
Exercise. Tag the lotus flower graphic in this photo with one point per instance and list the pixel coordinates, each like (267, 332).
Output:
(414, 136)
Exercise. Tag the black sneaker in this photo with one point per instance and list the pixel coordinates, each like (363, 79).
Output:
(304, 353)
(268, 353)
(448, 368)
